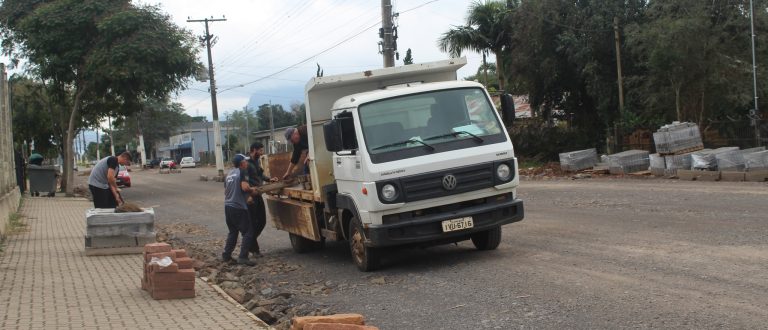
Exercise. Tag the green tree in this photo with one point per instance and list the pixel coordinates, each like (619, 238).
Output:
(98, 50)
(486, 29)
(157, 120)
(282, 118)
(299, 111)
(408, 57)
(486, 74)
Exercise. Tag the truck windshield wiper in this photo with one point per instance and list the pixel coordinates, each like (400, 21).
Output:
(456, 134)
(411, 140)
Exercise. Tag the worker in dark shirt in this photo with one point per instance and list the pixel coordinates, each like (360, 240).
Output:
(256, 208)
(103, 181)
(236, 190)
(298, 137)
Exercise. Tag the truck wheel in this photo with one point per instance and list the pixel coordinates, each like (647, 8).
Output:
(304, 245)
(365, 258)
(487, 240)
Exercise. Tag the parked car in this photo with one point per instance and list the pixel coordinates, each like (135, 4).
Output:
(167, 163)
(123, 177)
(152, 163)
(187, 162)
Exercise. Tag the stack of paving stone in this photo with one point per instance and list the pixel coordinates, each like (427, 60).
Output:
(734, 160)
(706, 160)
(678, 138)
(674, 163)
(658, 165)
(578, 160)
(629, 161)
(756, 161)
(174, 281)
(109, 233)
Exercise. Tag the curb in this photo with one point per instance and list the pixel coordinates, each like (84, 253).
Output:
(243, 309)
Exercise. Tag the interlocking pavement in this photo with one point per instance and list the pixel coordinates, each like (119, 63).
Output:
(47, 282)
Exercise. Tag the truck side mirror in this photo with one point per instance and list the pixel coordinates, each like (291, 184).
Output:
(508, 109)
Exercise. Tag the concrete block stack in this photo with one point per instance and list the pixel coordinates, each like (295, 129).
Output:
(658, 164)
(578, 160)
(331, 322)
(674, 163)
(734, 160)
(168, 273)
(678, 138)
(706, 160)
(756, 161)
(109, 233)
(629, 161)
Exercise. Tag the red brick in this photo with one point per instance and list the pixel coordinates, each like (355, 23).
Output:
(172, 286)
(162, 278)
(337, 326)
(148, 257)
(180, 253)
(173, 268)
(157, 247)
(180, 294)
(184, 263)
(298, 323)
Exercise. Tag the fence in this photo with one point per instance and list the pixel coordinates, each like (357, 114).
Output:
(9, 190)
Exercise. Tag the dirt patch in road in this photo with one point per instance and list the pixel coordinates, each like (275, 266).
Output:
(264, 289)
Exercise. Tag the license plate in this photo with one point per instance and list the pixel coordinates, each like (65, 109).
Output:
(458, 224)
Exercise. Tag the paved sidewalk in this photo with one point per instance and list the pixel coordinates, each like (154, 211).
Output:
(47, 282)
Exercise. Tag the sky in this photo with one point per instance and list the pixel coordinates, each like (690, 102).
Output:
(267, 50)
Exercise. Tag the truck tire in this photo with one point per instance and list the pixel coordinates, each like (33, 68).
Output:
(304, 245)
(487, 240)
(365, 258)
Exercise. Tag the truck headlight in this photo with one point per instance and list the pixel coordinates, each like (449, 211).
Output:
(388, 192)
(503, 172)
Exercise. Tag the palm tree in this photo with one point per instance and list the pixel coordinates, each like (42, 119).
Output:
(486, 30)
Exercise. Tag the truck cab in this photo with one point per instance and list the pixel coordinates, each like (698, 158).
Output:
(411, 157)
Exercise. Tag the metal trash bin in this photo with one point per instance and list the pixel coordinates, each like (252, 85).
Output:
(42, 178)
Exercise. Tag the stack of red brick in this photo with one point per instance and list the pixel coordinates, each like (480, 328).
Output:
(175, 281)
(331, 322)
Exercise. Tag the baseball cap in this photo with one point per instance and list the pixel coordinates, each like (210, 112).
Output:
(237, 159)
(288, 133)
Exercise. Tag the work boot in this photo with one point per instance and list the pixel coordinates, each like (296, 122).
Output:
(255, 249)
(246, 262)
(226, 257)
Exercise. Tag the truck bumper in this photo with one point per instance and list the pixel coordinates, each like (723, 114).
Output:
(426, 225)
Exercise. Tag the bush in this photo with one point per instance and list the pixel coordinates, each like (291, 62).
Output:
(533, 140)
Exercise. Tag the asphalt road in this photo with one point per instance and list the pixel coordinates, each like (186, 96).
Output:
(594, 253)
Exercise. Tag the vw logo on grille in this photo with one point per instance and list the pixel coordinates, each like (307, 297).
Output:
(449, 182)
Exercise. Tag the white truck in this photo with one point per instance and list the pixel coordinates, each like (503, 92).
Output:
(401, 156)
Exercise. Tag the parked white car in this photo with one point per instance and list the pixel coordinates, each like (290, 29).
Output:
(187, 162)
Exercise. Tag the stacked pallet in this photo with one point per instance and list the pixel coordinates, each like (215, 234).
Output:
(658, 165)
(629, 161)
(578, 160)
(168, 273)
(678, 138)
(734, 160)
(756, 161)
(706, 160)
(109, 233)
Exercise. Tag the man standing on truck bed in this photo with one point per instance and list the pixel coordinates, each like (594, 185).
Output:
(236, 190)
(102, 181)
(256, 208)
(298, 137)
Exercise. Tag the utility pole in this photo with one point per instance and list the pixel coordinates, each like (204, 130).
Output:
(387, 34)
(756, 112)
(247, 131)
(98, 152)
(111, 140)
(617, 40)
(214, 107)
(272, 129)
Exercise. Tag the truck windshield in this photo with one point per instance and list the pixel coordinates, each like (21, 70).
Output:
(438, 121)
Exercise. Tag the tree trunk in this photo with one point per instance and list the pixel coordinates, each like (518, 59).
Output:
(500, 71)
(677, 104)
(68, 152)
